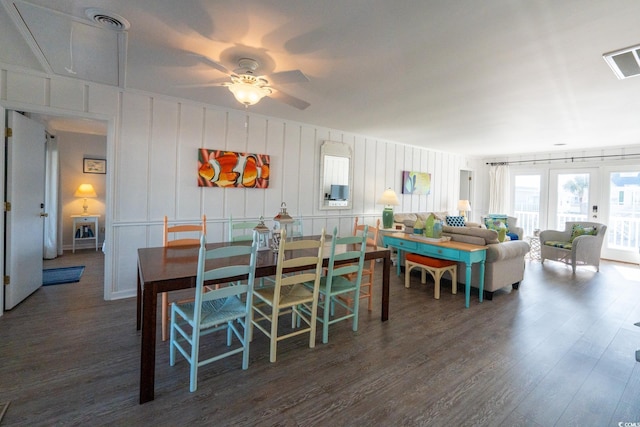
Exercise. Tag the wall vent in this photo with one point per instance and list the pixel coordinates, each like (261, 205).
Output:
(625, 63)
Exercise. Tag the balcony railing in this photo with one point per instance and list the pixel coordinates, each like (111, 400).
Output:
(622, 232)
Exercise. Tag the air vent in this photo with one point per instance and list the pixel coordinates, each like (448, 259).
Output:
(106, 19)
(625, 63)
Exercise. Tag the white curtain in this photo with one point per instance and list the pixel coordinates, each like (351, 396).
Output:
(51, 191)
(499, 191)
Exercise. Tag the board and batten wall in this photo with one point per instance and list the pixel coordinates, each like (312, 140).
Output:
(152, 144)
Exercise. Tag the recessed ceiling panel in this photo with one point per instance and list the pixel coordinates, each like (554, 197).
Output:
(73, 47)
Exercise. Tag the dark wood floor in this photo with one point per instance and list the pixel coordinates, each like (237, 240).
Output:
(559, 351)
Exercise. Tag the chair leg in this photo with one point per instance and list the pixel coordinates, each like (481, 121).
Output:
(273, 345)
(172, 345)
(165, 315)
(356, 312)
(328, 308)
(193, 371)
(314, 316)
(247, 338)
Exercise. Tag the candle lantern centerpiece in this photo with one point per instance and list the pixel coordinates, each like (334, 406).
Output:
(262, 232)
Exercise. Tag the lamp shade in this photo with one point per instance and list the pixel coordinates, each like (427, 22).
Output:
(389, 198)
(464, 205)
(248, 94)
(85, 190)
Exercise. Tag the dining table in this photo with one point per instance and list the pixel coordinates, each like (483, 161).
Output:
(167, 269)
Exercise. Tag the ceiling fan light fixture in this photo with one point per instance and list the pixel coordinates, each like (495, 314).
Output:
(249, 90)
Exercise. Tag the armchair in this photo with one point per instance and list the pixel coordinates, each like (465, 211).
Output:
(579, 244)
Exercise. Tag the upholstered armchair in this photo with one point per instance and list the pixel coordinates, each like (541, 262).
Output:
(579, 244)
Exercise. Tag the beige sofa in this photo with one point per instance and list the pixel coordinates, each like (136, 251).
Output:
(504, 265)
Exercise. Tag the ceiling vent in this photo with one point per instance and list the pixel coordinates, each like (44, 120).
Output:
(106, 19)
(625, 63)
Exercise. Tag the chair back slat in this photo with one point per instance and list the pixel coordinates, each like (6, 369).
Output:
(241, 231)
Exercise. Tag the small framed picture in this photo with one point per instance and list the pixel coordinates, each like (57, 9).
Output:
(94, 166)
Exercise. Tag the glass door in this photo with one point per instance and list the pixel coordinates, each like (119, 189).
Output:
(573, 196)
(528, 204)
(621, 213)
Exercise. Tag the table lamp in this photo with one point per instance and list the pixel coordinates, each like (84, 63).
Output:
(463, 207)
(85, 191)
(389, 199)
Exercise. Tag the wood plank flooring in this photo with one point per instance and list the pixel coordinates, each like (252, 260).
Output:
(558, 351)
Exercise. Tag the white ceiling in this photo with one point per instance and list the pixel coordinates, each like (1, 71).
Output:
(466, 76)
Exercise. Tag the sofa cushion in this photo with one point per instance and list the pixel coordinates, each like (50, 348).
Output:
(455, 221)
(476, 236)
(558, 244)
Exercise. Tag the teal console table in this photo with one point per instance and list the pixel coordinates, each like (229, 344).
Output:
(454, 251)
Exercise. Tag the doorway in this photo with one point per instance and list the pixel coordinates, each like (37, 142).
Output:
(92, 129)
(466, 189)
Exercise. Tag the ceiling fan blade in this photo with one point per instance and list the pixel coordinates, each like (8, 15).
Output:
(286, 77)
(217, 82)
(218, 66)
(290, 100)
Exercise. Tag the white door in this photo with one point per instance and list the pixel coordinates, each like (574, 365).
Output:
(573, 196)
(621, 213)
(24, 222)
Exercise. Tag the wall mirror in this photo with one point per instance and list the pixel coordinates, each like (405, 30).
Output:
(336, 177)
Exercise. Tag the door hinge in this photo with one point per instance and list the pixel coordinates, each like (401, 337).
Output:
(7, 280)
(8, 132)
(7, 206)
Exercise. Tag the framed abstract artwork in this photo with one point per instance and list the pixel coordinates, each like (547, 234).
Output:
(220, 168)
(416, 183)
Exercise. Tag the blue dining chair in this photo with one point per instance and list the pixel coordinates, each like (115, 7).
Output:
(221, 309)
(342, 280)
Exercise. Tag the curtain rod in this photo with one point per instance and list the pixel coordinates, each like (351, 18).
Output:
(620, 157)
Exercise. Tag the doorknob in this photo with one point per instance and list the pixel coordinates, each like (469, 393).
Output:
(44, 214)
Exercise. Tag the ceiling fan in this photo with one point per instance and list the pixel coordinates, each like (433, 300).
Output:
(249, 87)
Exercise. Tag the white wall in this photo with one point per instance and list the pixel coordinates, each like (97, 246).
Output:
(151, 169)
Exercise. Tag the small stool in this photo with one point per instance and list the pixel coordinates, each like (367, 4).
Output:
(436, 267)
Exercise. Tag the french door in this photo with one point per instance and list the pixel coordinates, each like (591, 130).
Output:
(573, 196)
(622, 213)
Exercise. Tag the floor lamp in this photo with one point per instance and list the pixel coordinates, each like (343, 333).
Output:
(389, 199)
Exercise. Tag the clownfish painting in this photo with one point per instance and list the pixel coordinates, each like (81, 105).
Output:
(231, 169)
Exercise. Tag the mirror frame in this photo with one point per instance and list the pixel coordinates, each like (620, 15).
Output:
(336, 149)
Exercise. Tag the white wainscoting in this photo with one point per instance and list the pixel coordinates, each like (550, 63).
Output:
(152, 147)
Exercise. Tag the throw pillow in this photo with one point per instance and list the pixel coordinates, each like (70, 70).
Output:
(455, 221)
(580, 230)
(496, 222)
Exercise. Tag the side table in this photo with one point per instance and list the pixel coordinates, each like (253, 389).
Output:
(85, 227)
(534, 253)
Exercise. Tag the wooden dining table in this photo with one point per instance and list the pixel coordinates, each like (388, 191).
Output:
(166, 269)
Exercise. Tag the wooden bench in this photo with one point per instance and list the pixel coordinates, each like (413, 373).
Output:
(436, 267)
